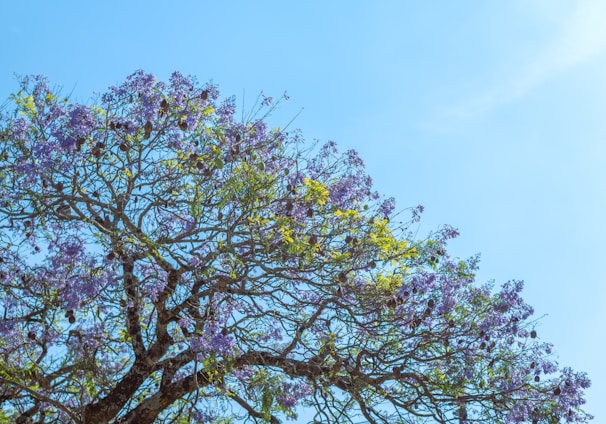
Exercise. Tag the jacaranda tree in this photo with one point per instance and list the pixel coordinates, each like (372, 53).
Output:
(164, 261)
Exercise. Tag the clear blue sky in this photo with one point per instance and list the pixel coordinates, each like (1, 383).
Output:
(490, 114)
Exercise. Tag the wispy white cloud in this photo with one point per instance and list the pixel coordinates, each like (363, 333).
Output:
(581, 38)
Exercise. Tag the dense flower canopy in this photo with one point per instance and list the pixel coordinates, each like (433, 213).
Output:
(162, 261)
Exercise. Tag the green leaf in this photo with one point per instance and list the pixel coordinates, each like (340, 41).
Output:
(266, 402)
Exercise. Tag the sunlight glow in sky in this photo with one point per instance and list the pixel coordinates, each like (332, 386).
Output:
(580, 37)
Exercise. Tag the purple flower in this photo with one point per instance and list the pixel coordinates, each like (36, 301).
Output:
(292, 393)
(387, 207)
(353, 159)
(416, 213)
(81, 120)
(267, 101)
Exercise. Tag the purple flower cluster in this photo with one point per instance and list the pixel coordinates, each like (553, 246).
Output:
(292, 393)
(213, 342)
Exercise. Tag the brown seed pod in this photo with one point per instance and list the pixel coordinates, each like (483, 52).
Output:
(79, 143)
(537, 378)
(183, 125)
(204, 95)
(221, 282)
(97, 150)
(533, 334)
(31, 335)
(72, 319)
(342, 277)
(148, 129)
(397, 372)
(163, 107)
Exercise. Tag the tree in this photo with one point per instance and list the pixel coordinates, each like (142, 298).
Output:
(162, 261)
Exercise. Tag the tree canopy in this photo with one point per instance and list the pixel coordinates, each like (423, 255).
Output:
(163, 261)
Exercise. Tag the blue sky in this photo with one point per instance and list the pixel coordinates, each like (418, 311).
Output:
(490, 114)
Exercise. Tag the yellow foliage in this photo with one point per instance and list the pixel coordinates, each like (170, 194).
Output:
(337, 257)
(390, 282)
(27, 105)
(96, 109)
(382, 237)
(316, 191)
(287, 234)
(348, 214)
(257, 220)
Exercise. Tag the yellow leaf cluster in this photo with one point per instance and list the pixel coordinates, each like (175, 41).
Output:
(316, 191)
(382, 237)
(27, 105)
(390, 282)
(348, 214)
